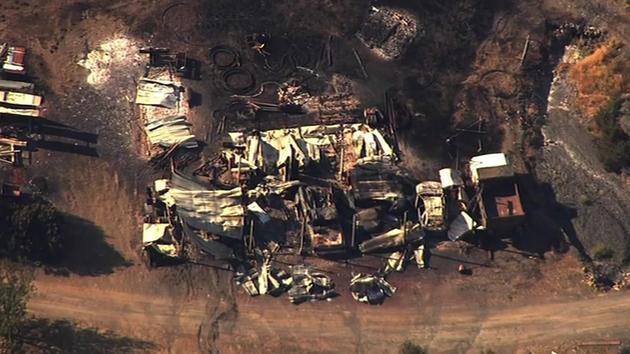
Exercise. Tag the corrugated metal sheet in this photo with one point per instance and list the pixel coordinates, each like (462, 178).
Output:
(170, 131)
(214, 248)
(271, 149)
(16, 85)
(157, 93)
(215, 211)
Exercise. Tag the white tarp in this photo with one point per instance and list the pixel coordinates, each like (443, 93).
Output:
(462, 224)
(153, 232)
(490, 166)
(450, 178)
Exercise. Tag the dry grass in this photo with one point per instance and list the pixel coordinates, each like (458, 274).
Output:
(599, 77)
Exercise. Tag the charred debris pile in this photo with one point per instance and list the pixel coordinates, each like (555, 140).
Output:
(328, 183)
(332, 191)
(324, 191)
(163, 110)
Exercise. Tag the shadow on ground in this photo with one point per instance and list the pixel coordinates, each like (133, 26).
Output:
(87, 251)
(46, 336)
(54, 136)
(549, 223)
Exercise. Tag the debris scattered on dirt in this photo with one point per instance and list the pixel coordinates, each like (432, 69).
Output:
(108, 56)
(388, 32)
(370, 288)
(309, 285)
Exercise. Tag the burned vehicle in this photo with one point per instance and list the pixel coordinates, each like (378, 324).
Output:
(431, 206)
(494, 180)
(376, 181)
(14, 59)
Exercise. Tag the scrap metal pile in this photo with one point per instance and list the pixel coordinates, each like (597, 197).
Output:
(162, 108)
(325, 190)
(298, 92)
(17, 100)
(301, 283)
(370, 288)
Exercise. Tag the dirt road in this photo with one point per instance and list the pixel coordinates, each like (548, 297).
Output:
(274, 325)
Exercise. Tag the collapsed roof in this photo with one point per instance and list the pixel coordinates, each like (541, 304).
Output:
(341, 146)
(376, 180)
(215, 211)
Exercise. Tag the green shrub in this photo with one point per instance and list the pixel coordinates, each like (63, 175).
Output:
(30, 230)
(15, 287)
(602, 252)
(614, 145)
(585, 200)
(409, 347)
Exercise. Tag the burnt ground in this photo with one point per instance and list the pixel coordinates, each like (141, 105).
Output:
(466, 65)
